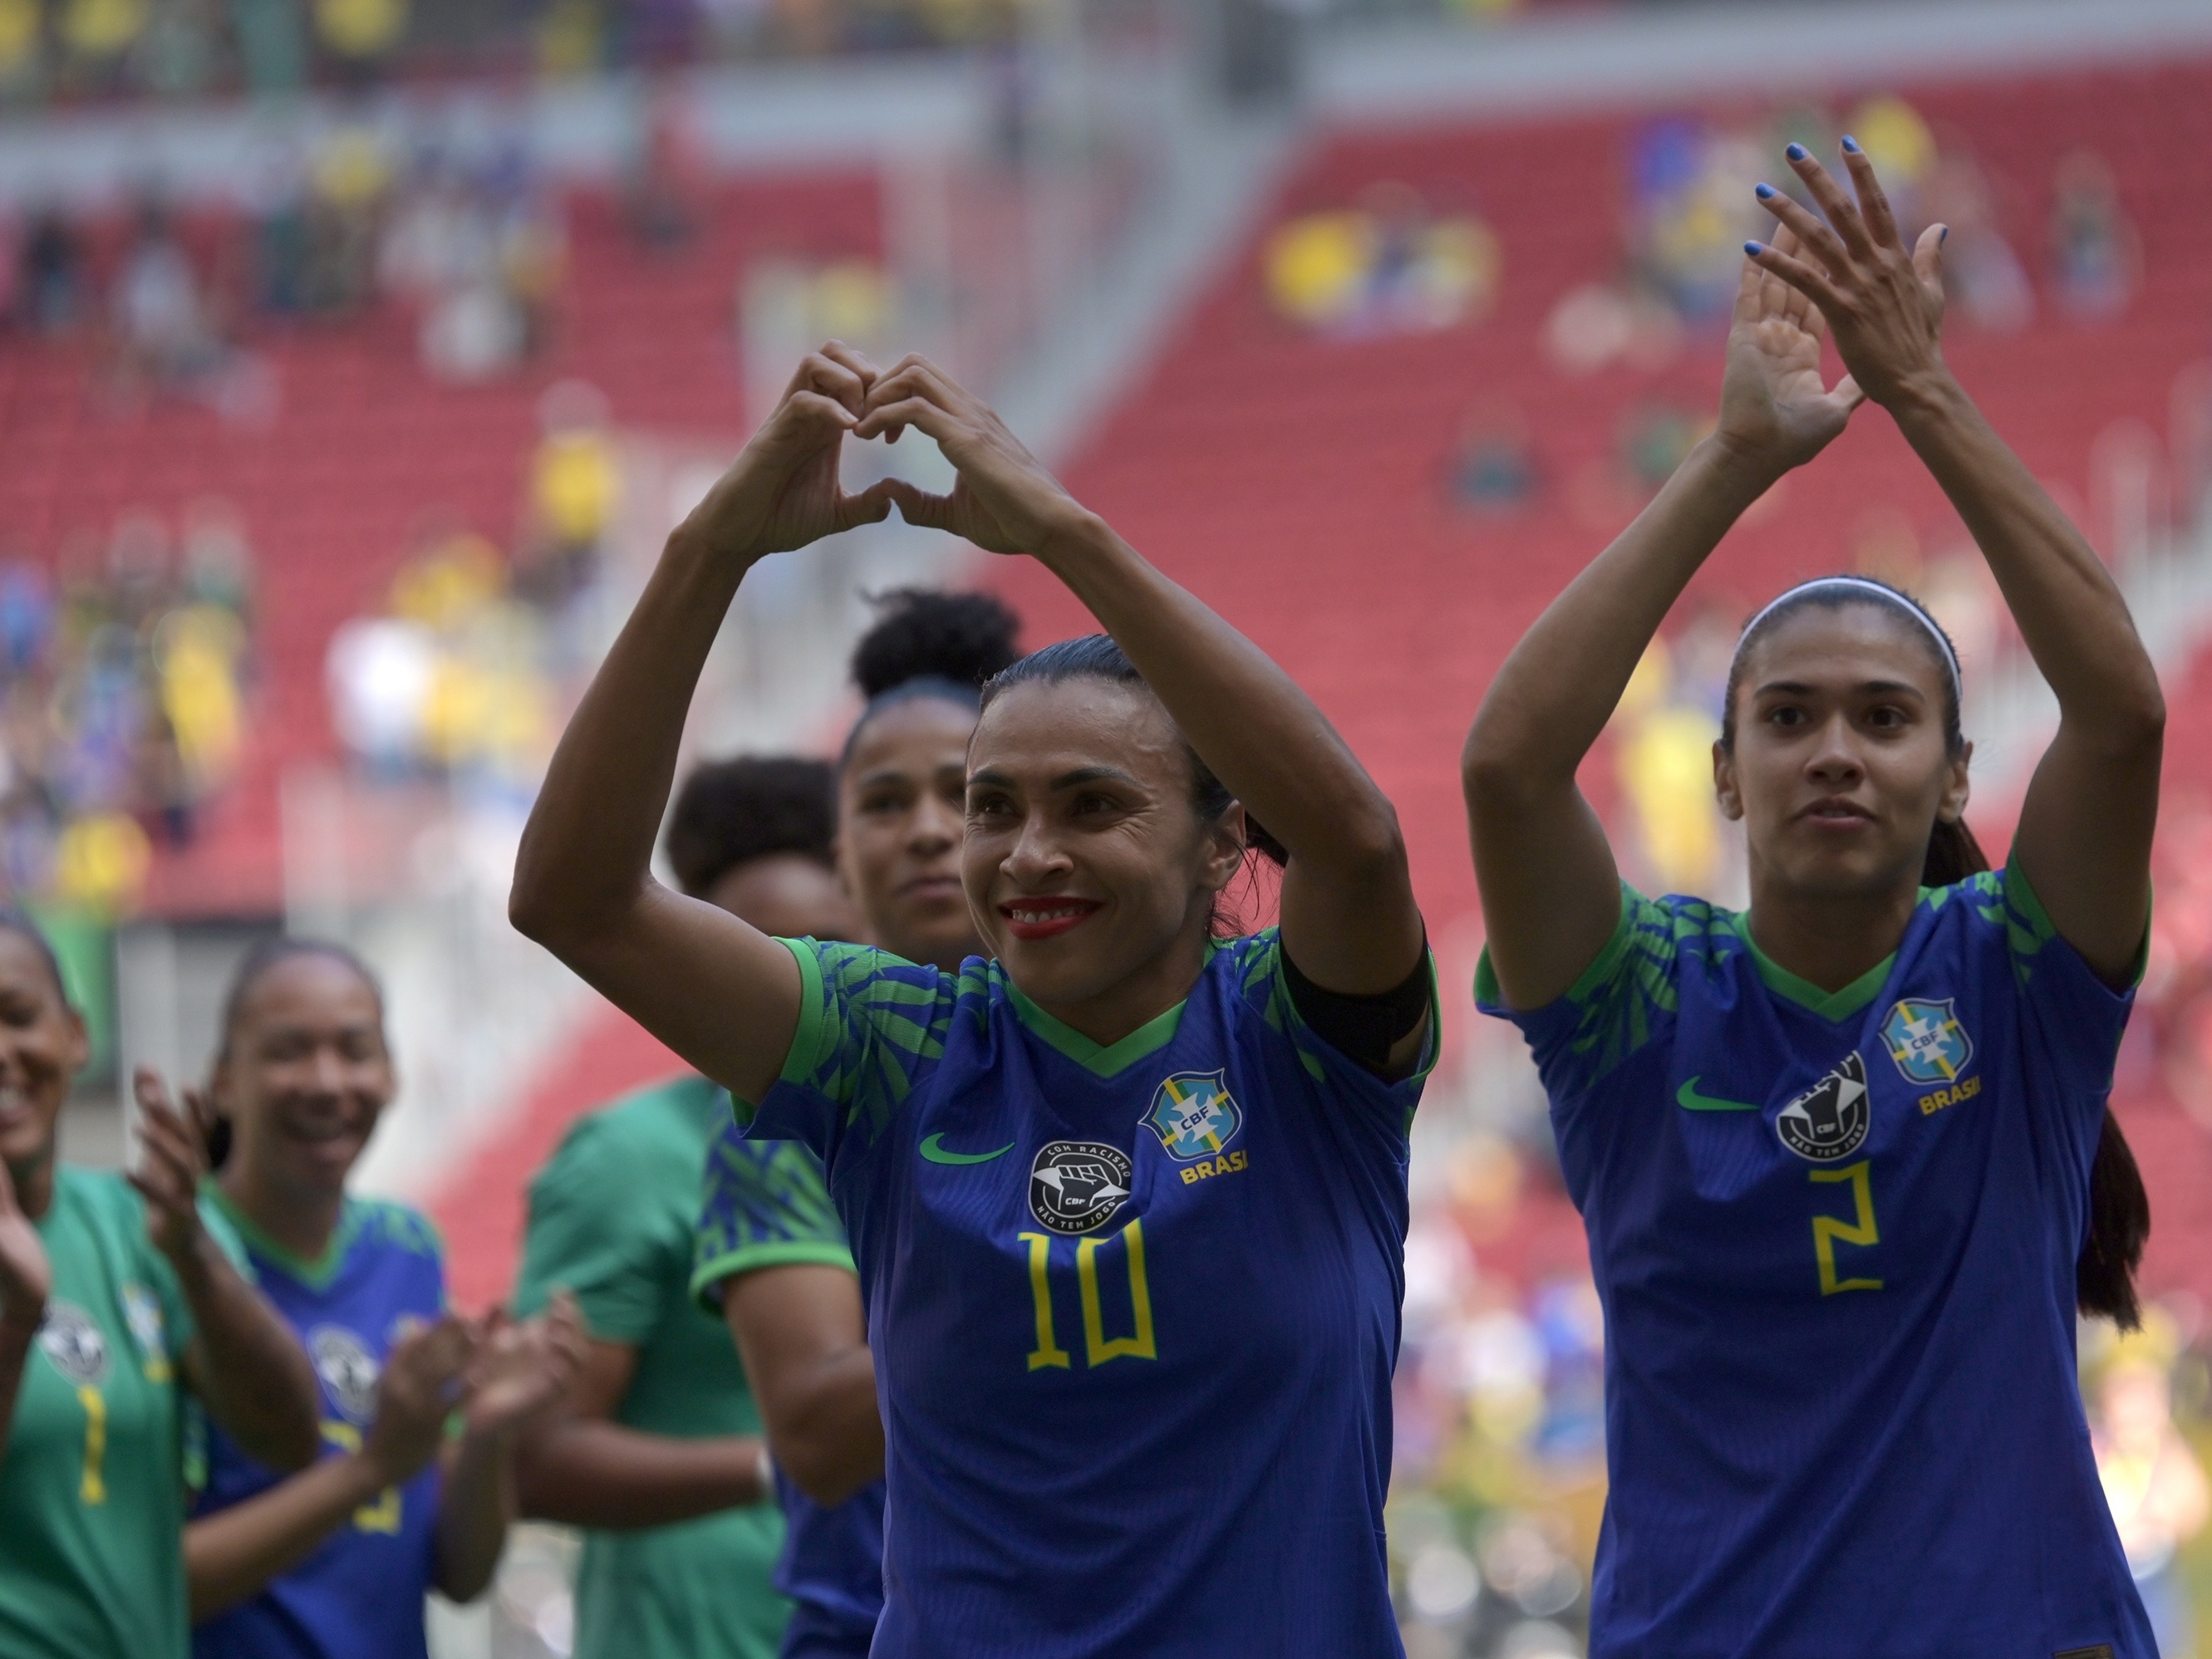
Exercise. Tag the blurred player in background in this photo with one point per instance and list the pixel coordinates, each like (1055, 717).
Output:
(659, 1457)
(113, 1304)
(1844, 1160)
(334, 1563)
(772, 1256)
(1128, 1201)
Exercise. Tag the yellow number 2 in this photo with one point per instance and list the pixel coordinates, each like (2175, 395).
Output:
(1828, 1231)
(92, 1489)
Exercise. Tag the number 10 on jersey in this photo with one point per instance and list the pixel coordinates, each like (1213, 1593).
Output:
(1097, 1347)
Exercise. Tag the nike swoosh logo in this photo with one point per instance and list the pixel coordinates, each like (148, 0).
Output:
(1687, 1095)
(937, 1154)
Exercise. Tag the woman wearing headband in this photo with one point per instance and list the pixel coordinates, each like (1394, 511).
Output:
(1844, 1158)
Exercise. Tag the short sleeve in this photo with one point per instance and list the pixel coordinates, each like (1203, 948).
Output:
(584, 1236)
(1265, 986)
(871, 1028)
(1620, 1002)
(2071, 1015)
(764, 1206)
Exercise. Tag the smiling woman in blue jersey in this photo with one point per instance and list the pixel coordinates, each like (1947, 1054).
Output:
(1845, 1159)
(334, 1563)
(1129, 1199)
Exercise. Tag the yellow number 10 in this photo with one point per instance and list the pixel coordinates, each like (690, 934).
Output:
(1097, 1347)
(1828, 1231)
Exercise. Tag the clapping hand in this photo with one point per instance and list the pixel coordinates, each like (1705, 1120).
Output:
(1883, 304)
(522, 1367)
(783, 490)
(172, 1163)
(1003, 500)
(1774, 409)
(422, 1384)
(25, 1276)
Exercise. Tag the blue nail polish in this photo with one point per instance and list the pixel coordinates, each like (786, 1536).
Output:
(1797, 152)
(1850, 144)
(1945, 237)
(1753, 249)
(1763, 191)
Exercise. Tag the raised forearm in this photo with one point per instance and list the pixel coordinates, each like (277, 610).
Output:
(591, 1474)
(231, 1555)
(2069, 609)
(587, 847)
(475, 1509)
(245, 1366)
(1559, 687)
(1262, 736)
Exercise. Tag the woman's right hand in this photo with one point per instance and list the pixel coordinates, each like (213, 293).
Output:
(26, 1278)
(420, 1387)
(783, 490)
(1775, 412)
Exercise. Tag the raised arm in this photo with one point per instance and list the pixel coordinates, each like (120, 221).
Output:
(1349, 918)
(720, 995)
(244, 1363)
(2085, 830)
(1551, 894)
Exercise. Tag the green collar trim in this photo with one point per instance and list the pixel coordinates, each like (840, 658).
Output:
(1830, 1005)
(317, 1275)
(1105, 1060)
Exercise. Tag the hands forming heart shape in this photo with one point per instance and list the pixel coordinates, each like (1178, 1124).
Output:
(784, 490)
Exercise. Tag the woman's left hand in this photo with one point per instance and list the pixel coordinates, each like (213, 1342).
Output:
(1003, 500)
(523, 1367)
(172, 1163)
(1883, 304)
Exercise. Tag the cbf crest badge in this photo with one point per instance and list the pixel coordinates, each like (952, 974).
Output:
(1194, 1114)
(1926, 1040)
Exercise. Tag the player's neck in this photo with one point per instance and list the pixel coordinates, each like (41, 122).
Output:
(301, 1219)
(1830, 940)
(1134, 1001)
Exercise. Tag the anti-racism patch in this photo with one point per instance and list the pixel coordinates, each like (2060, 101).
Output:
(1830, 1120)
(1078, 1186)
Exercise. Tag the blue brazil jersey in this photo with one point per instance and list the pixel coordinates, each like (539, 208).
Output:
(360, 1595)
(766, 1204)
(1835, 1236)
(1134, 1309)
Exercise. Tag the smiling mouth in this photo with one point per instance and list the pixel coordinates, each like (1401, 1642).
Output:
(1034, 919)
(1836, 814)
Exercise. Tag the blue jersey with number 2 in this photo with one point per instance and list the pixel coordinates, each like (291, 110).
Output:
(1835, 1237)
(1134, 1309)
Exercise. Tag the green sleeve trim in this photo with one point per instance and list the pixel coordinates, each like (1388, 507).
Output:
(1601, 969)
(710, 1273)
(799, 1060)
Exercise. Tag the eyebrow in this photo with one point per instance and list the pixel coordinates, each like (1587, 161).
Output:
(1882, 688)
(1080, 775)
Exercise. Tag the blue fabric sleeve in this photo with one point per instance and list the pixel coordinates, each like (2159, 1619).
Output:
(764, 1205)
(872, 1027)
(2069, 1015)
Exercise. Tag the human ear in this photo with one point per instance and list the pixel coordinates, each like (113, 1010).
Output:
(1724, 788)
(1957, 788)
(1225, 849)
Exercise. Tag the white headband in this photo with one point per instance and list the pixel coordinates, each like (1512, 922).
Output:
(1860, 586)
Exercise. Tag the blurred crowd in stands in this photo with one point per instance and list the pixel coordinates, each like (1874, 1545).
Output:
(123, 686)
(459, 675)
(75, 49)
(468, 250)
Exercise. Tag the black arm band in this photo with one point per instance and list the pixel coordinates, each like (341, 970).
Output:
(1364, 1030)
